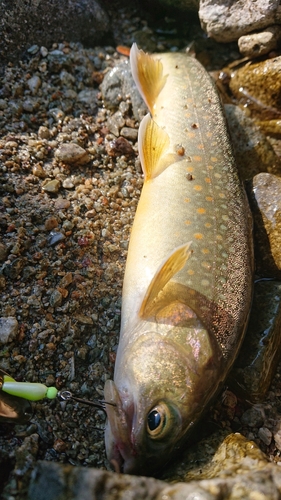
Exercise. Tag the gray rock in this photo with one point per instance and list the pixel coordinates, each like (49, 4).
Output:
(258, 44)
(38, 22)
(8, 329)
(88, 97)
(227, 20)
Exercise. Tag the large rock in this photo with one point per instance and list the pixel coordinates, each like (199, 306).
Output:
(39, 22)
(227, 20)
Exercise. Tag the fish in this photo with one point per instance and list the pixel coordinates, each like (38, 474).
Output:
(188, 280)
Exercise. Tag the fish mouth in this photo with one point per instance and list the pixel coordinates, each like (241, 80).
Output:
(119, 447)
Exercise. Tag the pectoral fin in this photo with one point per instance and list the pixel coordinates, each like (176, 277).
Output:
(148, 75)
(174, 263)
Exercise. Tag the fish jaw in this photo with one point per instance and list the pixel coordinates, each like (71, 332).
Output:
(119, 448)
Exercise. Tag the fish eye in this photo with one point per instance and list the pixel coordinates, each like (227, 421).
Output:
(157, 420)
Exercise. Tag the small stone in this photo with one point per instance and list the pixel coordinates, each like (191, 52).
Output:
(8, 329)
(55, 238)
(253, 417)
(59, 445)
(120, 147)
(66, 280)
(52, 187)
(33, 49)
(72, 153)
(34, 83)
(62, 204)
(258, 44)
(88, 97)
(51, 223)
(3, 104)
(3, 252)
(67, 183)
(85, 320)
(57, 114)
(56, 299)
(43, 132)
(129, 133)
(44, 51)
(115, 122)
(38, 171)
(265, 435)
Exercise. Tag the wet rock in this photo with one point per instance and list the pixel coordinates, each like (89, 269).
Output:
(64, 19)
(258, 84)
(265, 201)
(253, 478)
(258, 44)
(38, 171)
(52, 187)
(226, 21)
(8, 329)
(257, 362)
(72, 153)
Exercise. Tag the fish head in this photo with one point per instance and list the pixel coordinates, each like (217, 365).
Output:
(158, 396)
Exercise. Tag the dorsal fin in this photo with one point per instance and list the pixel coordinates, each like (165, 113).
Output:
(148, 75)
(153, 144)
(174, 263)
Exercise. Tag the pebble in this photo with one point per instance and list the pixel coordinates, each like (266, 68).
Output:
(253, 417)
(43, 132)
(277, 439)
(265, 435)
(8, 329)
(52, 187)
(3, 252)
(72, 153)
(34, 83)
(115, 123)
(67, 183)
(88, 96)
(56, 299)
(55, 238)
(129, 133)
(119, 147)
(51, 223)
(38, 171)
(62, 204)
(259, 44)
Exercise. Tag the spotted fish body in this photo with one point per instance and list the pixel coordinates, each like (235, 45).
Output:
(188, 280)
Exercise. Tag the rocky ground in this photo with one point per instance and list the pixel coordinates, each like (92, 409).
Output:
(70, 179)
